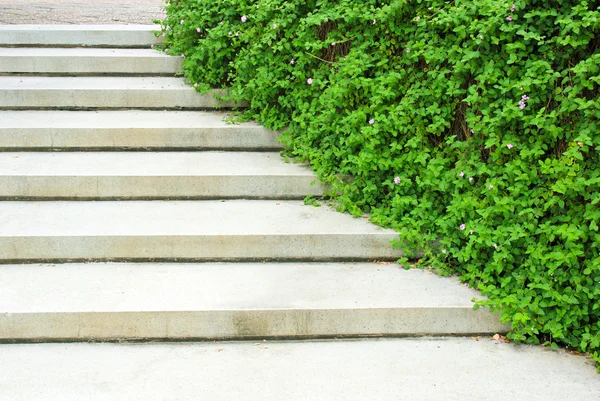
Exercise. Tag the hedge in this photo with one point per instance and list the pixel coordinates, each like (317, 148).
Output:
(470, 127)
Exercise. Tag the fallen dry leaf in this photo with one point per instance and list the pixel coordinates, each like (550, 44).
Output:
(496, 337)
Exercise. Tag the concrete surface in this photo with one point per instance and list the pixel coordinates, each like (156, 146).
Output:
(153, 175)
(79, 35)
(80, 11)
(234, 301)
(74, 61)
(23, 92)
(425, 369)
(191, 230)
(129, 129)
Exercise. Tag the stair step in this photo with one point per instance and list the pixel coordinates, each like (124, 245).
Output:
(129, 129)
(232, 301)
(79, 35)
(153, 175)
(407, 369)
(26, 92)
(238, 230)
(74, 61)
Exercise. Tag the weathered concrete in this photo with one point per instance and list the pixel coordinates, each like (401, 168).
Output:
(76, 61)
(425, 369)
(129, 129)
(80, 11)
(153, 175)
(79, 35)
(233, 301)
(24, 92)
(196, 230)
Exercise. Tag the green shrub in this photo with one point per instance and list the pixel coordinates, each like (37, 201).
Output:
(470, 127)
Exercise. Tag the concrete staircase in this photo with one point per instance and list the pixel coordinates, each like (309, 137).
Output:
(131, 211)
(108, 158)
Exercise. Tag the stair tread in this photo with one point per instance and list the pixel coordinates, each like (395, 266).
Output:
(78, 35)
(39, 83)
(224, 286)
(27, 92)
(77, 164)
(180, 218)
(124, 119)
(81, 52)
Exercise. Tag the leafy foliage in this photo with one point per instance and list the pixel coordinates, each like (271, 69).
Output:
(471, 127)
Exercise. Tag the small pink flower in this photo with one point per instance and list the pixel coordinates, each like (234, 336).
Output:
(512, 9)
(372, 121)
(471, 232)
(407, 50)
(490, 186)
(472, 131)
(443, 251)
(183, 56)
(462, 227)
(509, 18)
(195, 85)
(244, 19)
(198, 30)
(495, 246)
(292, 62)
(418, 18)
(470, 179)
(309, 81)
(461, 174)
(181, 22)
(230, 33)
(274, 26)
(509, 146)
(397, 180)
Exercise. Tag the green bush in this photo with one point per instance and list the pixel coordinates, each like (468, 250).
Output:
(470, 127)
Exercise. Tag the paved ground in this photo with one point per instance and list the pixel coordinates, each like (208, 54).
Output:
(426, 369)
(80, 11)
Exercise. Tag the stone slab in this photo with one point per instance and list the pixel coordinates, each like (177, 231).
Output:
(78, 61)
(153, 175)
(129, 129)
(79, 35)
(232, 301)
(187, 230)
(26, 92)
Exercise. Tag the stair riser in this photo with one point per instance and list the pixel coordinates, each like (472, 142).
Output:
(198, 248)
(91, 65)
(76, 36)
(168, 187)
(246, 324)
(16, 99)
(69, 139)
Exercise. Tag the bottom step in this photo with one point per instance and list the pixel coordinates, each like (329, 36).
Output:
(440, 369)
(80, 302)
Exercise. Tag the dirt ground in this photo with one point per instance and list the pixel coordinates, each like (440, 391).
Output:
(80, 11)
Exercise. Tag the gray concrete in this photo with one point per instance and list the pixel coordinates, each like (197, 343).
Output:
(440, 369)
(80, 11)
(79, 35)
(153, 175)
(233, 301)
(197, 230)
(24, 92)
(74, 61)
(129, 129)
